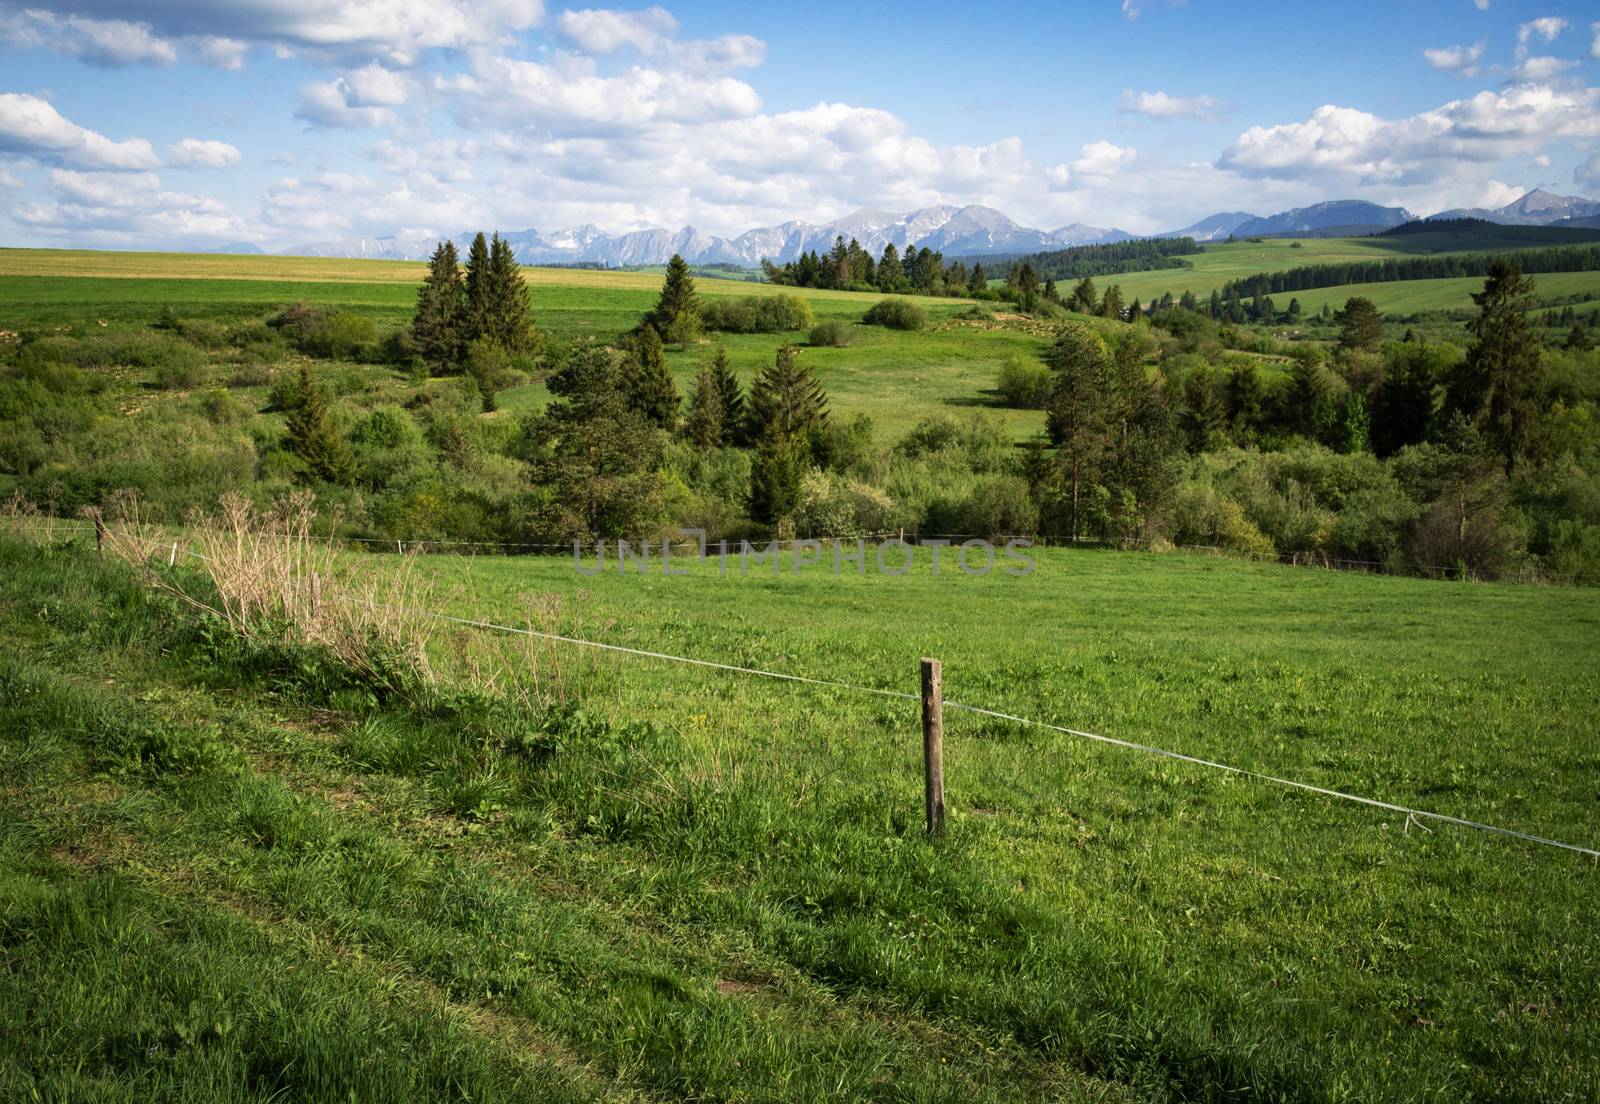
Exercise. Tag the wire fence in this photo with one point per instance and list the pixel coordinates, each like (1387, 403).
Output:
(1524, 574)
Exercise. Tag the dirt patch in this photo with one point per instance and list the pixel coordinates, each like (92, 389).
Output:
(735, 987)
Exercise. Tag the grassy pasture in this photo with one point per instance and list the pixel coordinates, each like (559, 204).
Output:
(735, 902)
(1223, 262)
(894, 377)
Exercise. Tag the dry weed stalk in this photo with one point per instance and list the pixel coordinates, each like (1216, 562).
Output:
(523, 666)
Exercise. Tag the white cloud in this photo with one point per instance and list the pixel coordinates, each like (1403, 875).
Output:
(217, 51)
(573, 99)
(1546, 28)
(1587, 174)
(202, 153)
(117, 208)
(32, 127)
(604, 31)
(1542, 161)
(1347, 141)
(108, 43)
(1456, 59)
(8, 181)
(1538, 70)
(358, 100)
(1159, 105)
(397, 31)
(1102, 158)
(1482, 5)
(1130, 9)
(1594, 47)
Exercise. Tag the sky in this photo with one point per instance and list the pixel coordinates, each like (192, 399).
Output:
(177, 124)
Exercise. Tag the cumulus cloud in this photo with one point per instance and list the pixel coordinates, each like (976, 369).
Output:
(360, 99)
(576, 99)
(1347, 141)
(1546, 28)
(1538, 69)
(1159, 105)
(103, 208)
(1456, 59)
(1587, 174)
(33, 128)
(202, 153)
(398, 31)
(217, 51)
(605, 31)
(1096, 163)
(109, 43)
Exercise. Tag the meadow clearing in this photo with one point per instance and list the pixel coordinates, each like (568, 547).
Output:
(651, 880)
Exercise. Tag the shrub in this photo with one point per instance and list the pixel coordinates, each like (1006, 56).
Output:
(1204, 516)
(755, 314)
(324, 333)
(896, 314)
(179, 373)
(1024, 383)
(833, 333)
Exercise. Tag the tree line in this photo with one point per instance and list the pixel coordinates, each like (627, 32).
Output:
(849, 267)
(1306, 277)
(1109, 259)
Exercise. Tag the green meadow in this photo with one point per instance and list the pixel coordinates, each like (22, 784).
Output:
(237, 871)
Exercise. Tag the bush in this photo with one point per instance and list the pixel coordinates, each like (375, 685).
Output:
(324, 333)
(755, 314)
(1201, 515)
(896, 314)
(180, 372)
(1024, 383)
(833, 334)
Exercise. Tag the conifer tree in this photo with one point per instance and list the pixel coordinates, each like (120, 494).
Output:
(1077, 419)
(775, 474)
(441, 305)
(978, 281)
(475, 321)
(1084, 298)
(785, 400)
(649, 386)
(1500, 385)
(703, 426)
(1027, 287)
(890, 270)
(1360, 325)
(732, 396)
(676, 317)
(508, 319)
(310, 434)
(1051, 295)
(1111, 304)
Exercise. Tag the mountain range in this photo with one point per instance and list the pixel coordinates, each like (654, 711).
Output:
(972, 231)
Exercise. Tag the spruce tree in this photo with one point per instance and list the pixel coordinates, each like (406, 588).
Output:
(1027, 287)
(311, 436)
(785, 400)
(703, 426)
(775, 474)
(1077, 419)
(676, 317)
(441, 306)
(508, 319)
(890, 270)
(1051, 295)
(479, 293)
(1500, 385)
(1360, 326)
(650, 389)
(732, 396)
(978, 281)
(1084, 298)
(1111, 304)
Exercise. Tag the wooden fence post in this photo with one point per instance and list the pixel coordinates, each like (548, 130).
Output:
(933, 745)
(99, 529)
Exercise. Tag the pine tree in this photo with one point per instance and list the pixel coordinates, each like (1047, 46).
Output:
(1051, 295)
(1578, 338)
(479, 291)
(703, 426)
(785, 400)
(1078, 406)
(1027, 287)
(1308, 392)
(1500, 385)
(977, 280)
(775, 474)
(732, 396)
(676, 317)
(1111, 305)
(890, 270)
(311, 436)
(649, 385)
(1360, 326)
(1084, 299)
(441, 305)
(508, 321)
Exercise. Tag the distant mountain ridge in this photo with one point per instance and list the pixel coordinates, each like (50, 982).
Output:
(971, 231)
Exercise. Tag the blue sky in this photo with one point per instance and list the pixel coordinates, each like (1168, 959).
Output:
(178, 124)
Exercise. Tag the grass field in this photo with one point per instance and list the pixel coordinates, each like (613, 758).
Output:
(1223, 262)
(934, 371)
(707, 886)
